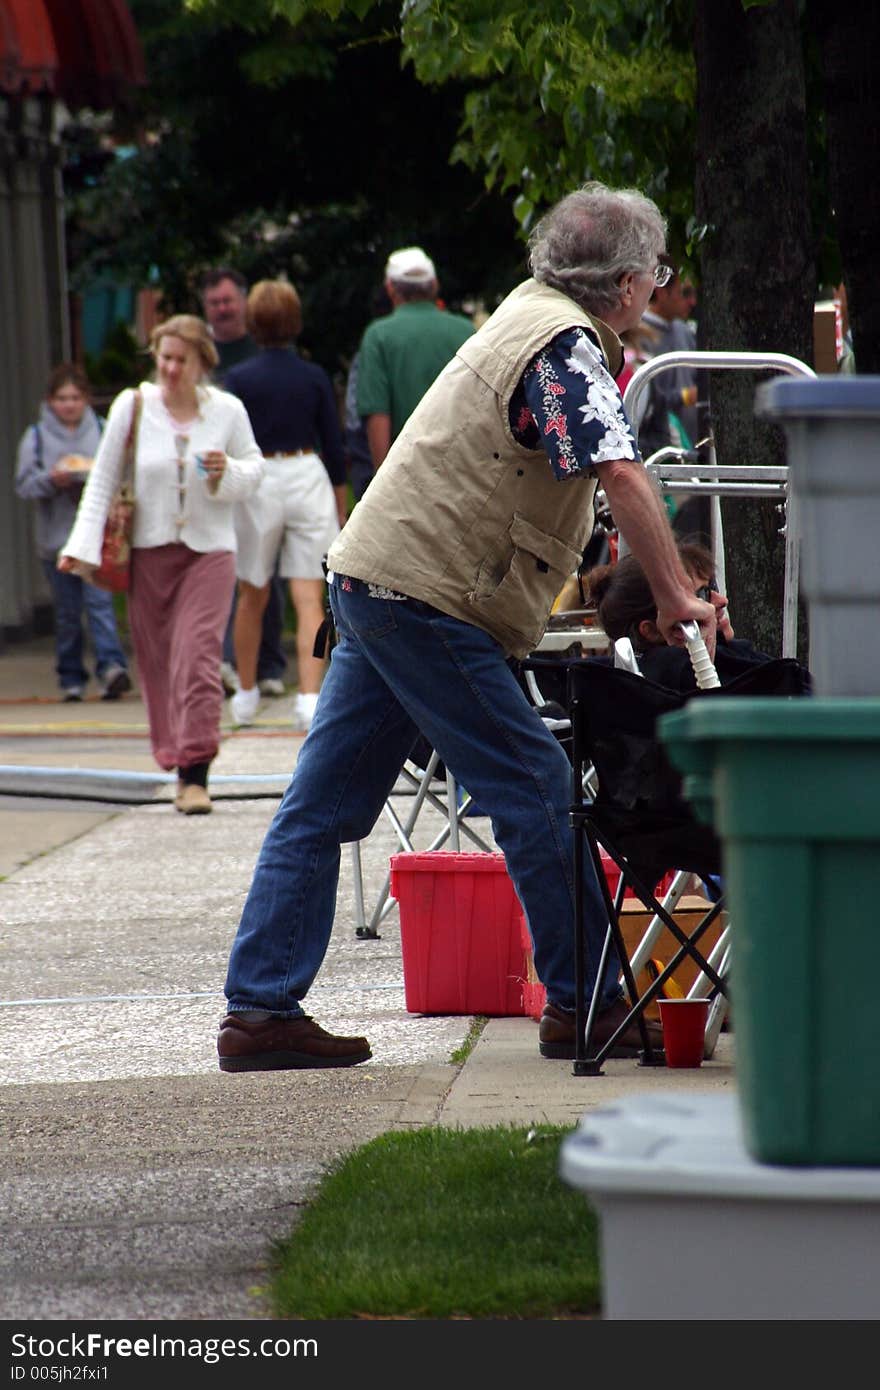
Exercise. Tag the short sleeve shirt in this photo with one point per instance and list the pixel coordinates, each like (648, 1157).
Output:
(402, 354)
(568, 404)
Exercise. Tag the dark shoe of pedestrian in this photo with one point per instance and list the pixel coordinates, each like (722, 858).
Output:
(282, 1044)
(116, 682)
(556, 1033)
(71, 694)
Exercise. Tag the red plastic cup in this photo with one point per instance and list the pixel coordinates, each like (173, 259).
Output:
(684, 1030)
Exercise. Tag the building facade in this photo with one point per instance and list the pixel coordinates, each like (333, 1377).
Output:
(56, 57)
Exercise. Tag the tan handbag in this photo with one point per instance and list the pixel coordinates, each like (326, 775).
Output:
(114, 571)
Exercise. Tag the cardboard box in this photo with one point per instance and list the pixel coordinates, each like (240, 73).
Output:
(634, 922)
(827, 336)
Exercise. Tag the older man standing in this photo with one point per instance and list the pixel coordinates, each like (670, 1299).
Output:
(224, 303)
(447, 568)
(402, 353)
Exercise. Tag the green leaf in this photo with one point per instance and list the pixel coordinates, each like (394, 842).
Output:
(523, 211)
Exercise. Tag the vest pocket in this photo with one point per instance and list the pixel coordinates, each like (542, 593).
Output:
(518, 581)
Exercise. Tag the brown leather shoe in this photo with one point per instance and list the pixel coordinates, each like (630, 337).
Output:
(282, 1044)
(556, 1033)
(192, 800)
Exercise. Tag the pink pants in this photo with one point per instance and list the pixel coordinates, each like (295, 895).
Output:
(178, 609)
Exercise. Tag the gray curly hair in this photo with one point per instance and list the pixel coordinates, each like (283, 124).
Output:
(593, 237)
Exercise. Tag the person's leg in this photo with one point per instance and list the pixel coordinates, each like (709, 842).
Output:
(228, 674)
(111, 664)
(178, 605)
(259, 526)
(67, 598)
(251, 605)
(345, 771)
(271, 660)
(198, 618)
(310, 525)
(228, 635)
(307, 596)
(458, 689)
(154, 576)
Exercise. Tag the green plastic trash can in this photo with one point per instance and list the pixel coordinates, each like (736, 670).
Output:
(795, 799)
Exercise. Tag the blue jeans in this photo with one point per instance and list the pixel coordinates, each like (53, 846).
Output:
(400, 668)
(71, 597)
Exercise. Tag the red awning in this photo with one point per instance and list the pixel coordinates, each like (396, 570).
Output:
(86, 52)
(28, 57)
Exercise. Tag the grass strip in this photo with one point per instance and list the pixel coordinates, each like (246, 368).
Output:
(443, 1223)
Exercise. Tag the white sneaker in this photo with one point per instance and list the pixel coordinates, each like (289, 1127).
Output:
(244, 705)
(304, 711)
(229, 677)
(272, 687)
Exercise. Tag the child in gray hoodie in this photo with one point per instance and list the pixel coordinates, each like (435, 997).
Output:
(54, 456)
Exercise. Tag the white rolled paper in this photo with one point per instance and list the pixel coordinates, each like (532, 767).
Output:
(704, 671)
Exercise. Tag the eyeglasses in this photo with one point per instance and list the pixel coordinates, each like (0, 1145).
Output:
(662, 275)
(706, 591)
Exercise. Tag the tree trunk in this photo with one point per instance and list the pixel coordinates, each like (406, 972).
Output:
(848, 39)
(757, 261)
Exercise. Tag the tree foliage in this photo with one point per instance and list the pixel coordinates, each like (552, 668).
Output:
(306, 150)
(564, 93)
(550, 95)
(556, 93)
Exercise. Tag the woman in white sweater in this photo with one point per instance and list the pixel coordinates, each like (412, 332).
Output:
(195, 458)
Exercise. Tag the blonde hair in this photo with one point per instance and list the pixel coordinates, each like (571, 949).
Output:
(191, 330)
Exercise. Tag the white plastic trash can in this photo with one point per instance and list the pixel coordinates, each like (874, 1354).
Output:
(693, 1227)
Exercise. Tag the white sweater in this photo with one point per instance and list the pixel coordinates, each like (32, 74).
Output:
(164, 511)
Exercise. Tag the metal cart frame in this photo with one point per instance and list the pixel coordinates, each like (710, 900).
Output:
(722, 481)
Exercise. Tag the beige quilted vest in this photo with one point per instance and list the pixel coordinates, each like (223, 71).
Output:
(460, 515)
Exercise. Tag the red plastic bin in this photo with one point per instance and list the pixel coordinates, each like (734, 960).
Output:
(612, 875)
(459, 933)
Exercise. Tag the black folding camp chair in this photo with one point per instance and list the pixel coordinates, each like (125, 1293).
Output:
(640, 818)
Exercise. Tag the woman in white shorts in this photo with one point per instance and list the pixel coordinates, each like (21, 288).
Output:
(301, 502)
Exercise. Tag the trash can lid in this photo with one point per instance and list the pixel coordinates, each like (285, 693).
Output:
(687, 1144)
(830, 397)
(837, 719)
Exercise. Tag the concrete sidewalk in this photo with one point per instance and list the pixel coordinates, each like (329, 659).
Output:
(137, 1180)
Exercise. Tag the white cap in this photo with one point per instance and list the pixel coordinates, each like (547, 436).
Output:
(410, 266)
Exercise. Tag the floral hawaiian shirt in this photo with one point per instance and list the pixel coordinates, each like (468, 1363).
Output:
(568, 405)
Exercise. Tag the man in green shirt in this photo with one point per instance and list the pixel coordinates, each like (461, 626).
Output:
(401, 354)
